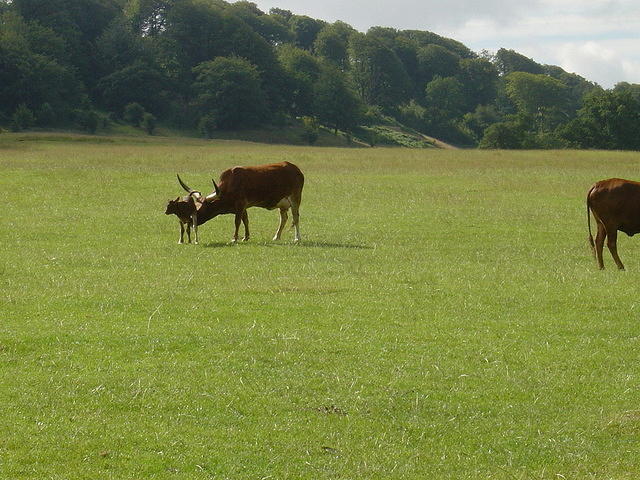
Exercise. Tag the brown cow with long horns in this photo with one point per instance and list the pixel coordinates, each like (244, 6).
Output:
(278, 185)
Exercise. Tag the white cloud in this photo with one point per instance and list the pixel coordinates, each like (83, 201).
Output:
(593, 60)
(604, 62)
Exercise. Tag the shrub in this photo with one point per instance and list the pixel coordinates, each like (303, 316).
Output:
(104, 120)
(87, 120)
(134, 113)
(310, 130)
(149, 123)
(507, 135)
(207, 125)
(46, 115)
(373, 115)
(22, 118)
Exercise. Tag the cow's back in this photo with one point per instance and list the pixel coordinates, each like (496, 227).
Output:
(263, 185)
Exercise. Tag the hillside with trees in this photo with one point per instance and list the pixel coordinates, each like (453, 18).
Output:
(212, 66)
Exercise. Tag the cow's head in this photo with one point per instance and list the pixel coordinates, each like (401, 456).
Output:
(172, 206)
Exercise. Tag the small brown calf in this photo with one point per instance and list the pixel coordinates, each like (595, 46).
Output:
(186, 210)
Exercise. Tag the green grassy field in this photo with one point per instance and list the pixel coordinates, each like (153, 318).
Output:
(442, 318)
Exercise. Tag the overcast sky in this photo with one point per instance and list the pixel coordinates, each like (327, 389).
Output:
(598, 39)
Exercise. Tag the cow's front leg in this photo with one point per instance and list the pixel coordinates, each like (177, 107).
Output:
(245, 221)
(181, 240)
(188, 232)
(238, 219)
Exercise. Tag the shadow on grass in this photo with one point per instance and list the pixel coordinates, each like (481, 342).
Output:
(302, 244)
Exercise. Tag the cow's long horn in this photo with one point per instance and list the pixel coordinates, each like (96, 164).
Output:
(183, 185)
(216, 187)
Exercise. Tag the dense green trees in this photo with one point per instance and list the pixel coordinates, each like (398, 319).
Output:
(509, 61)
(332, 43)
(335, 103)
(33, 69)
(378, 73)
(230, 90)
(211, 64)
(302, 70)
(607, 120)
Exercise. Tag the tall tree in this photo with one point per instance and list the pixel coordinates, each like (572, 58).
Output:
(479, 79)
(435, 60)
(445, 102)
(609, 119)
(577, 86)
(422, 39)
(305, 30)
(193, 33)
(332, 43)
(148, 17)
(197, 32)
(632, 88)
(407, 52)
(119, 46)
(268, 27)
(230, 89)
(140, 82)
(302, 70)
(378, 73)
(336, 105)
(509, 61)
(78, 22)
(536, 94)
(30, 77)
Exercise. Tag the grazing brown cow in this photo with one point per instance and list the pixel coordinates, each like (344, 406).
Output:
(615, 204)
(278, 185)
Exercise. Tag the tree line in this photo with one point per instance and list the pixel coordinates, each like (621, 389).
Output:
(210, 65)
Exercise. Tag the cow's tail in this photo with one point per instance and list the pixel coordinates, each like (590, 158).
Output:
(591, 242)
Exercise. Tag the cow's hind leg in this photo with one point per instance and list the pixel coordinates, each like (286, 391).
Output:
(194, 220)
(283, 221)
(600, 236)
(612, 244)
(295, 211)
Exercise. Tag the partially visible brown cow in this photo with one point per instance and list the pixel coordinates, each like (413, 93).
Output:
(278, 185)
(615, 204)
